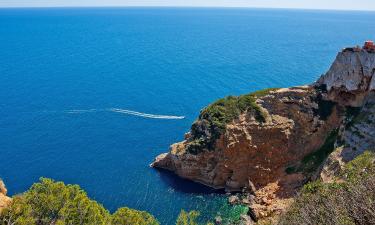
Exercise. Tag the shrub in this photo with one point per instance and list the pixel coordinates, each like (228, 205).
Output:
(187, 218)
(18, 212)
(50, 202)
(126, 216)
(348, 201)
(227, 109)
(216, 116)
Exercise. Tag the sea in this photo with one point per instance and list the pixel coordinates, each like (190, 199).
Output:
(91, 96)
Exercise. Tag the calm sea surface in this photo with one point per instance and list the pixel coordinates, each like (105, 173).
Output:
(91, 96)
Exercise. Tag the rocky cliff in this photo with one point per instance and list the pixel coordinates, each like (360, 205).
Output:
(4, 200)
(249, 150)
(350, 78)
(271, 142)
(351, 82)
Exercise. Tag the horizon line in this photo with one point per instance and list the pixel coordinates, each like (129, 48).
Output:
(187, 6)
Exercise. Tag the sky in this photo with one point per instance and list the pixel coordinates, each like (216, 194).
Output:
(304, 4)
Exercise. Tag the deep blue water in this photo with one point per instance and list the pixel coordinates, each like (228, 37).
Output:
(165, 61)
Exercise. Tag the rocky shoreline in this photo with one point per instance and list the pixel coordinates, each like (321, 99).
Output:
(269, 143)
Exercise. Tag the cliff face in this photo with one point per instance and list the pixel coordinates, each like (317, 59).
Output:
(4, 200)
(352, 72)
(351, 81)
(350, 78)
(258, 151)
(278, 139)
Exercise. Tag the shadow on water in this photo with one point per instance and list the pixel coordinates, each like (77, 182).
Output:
(184, 185)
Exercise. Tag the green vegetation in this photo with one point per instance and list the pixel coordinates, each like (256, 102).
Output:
(50, 202)
(233, 217)
(349, 200)
(216, 116)
(197, 145)
(263, 92)
(311, 162)
(362, 167)
(227, 109)
(131, 216)
(228, 216)
(187, 218)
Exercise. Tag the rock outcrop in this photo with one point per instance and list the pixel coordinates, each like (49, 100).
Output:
(350, 78)
(260, 152)
(278, 139)
(351, 72)
(351, 81)
(4, 200)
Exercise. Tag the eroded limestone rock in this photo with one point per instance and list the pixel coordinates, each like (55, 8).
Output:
(350, 77)
(4, 200)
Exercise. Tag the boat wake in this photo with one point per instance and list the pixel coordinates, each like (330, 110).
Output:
(128, 112)
(152, 116)
(78, 111)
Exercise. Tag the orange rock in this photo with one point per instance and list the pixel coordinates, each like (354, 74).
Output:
(4, 200)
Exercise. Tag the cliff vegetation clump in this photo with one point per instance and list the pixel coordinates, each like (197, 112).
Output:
(348, 200)
(213, 119)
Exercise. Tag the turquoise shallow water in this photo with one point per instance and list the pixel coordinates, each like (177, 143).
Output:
(91, 96)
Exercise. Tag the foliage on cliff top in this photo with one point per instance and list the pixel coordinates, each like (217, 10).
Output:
(227, 109)
(350, 200)
(50, 202)
(216, 116)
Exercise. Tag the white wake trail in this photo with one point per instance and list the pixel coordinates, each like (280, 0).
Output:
(78, 111)
(125, 111)
(146, 115)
